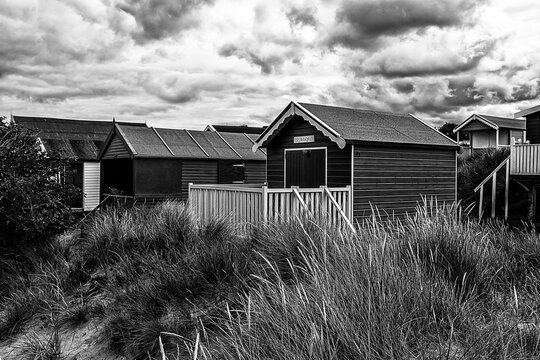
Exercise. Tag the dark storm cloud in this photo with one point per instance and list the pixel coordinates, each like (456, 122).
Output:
(403, 86)
(463, 92)
(360, 23)
(526, 91)
(302, 16)
(162, 18)
(268, 63)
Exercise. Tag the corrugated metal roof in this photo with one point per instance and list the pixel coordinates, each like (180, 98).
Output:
(181, 144)
(69, 138)
(376, 126)
(188, 143)
(144, 141)
(243, 145)
(517, 124)
(214, 145)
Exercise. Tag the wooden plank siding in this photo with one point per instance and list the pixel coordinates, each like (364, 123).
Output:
(533, 128)
(116, 149)
(157, 177)
(394, 178)
(198, 172)
(255, 172)
(338, 160)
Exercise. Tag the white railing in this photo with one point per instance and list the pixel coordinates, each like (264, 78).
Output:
(525, 159)
(246, 206)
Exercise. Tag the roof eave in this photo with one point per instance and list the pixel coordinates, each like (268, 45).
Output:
(528, 111)
(389, 143)
(431, 128)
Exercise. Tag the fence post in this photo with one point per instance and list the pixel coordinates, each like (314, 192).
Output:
(265, 203)
(350, 203)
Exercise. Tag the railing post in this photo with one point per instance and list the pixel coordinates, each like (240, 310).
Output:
(265, 203)
(324, 205)
(493, 194)
(350, 202)
(507, 189)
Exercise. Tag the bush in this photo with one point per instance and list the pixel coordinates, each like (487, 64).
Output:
(33, 204)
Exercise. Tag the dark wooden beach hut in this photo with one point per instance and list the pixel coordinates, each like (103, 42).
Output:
(154, 163)
(390, 160)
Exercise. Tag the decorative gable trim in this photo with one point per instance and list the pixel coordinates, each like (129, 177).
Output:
(296, 109)
(477, 118)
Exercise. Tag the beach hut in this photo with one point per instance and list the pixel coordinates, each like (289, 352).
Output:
(149, 164)
(489, 132)
(341, 162)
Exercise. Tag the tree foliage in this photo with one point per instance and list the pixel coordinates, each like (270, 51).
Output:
(448, 130)
(33, 202)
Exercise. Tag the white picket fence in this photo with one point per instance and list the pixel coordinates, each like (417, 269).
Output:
(246, 206)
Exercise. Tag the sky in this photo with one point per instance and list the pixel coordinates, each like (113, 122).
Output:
(188, 63)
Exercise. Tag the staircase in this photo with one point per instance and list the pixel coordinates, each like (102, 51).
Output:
(493, 177)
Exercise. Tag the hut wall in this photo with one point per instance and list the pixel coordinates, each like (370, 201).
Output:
(394, 179)
(255, 172)
(198, 172)
(338, 160)
(533, 128)
(157, 177)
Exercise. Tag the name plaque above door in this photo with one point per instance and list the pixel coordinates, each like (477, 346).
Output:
(304, 139)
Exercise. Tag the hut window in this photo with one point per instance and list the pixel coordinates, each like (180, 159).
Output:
(231, 172)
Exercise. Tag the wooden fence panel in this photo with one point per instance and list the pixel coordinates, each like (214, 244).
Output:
(246, 206)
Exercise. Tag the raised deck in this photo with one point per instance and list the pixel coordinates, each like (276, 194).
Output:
(525, 159)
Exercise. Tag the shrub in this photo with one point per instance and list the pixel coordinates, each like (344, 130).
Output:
(33, 204)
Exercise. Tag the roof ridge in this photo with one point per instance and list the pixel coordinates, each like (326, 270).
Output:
(356, 109)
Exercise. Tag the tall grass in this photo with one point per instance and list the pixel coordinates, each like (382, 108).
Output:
(435, 285)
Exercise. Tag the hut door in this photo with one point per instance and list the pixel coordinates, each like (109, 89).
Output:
(305, 167)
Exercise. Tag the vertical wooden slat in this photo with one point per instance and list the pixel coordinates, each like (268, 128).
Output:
(481, 202)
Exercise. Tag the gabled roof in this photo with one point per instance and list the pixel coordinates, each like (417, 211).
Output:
(69, 138)
(528, 111)
(235, 129)
(494, 122)
(346, 125)
(152, 142)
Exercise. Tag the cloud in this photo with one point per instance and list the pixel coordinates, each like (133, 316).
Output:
(268, 63)
(302, 16)
(183, 88)
(403, 86)
(426, 56)
(158, 19)
(359, 24)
